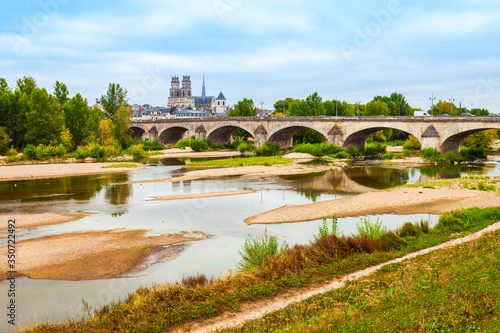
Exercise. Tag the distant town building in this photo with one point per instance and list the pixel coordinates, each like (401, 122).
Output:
(181, 97)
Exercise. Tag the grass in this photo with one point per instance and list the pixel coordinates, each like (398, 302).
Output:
(473, 183)
(239, 161)
(120, 165)
(162, 308)
(452, 290)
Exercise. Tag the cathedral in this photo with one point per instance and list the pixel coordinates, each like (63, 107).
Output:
(181, 96)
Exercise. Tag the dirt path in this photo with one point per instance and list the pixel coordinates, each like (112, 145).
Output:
(260, 308)
(402, 201)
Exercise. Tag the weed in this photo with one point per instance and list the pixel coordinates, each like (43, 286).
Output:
(365, 227)
(256, 250)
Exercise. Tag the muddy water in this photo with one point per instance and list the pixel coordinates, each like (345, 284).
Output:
(121, 205)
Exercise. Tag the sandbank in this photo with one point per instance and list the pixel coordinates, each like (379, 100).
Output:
(37, 171)
(246, 171)
(400, 201)
(189, 153)
(88, 256)
(38, 220)
(201, 195)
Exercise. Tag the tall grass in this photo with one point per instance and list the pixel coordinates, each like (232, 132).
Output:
(256, 250)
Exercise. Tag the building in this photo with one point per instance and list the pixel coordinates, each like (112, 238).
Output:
(181, 97)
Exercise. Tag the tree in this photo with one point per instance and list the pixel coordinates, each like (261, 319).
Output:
(105, 134)
(311, 106)
(402, 107)
(443, 107)
(26, 85)
(282, 105)
(484, 138)
(244, 108)
(13, 109)
(115, 97)
(480, 112)
(376, 108)
(3, 84)
(76, 118)
(4, 141)
(44, 120)
(121, 126)
(61, 93)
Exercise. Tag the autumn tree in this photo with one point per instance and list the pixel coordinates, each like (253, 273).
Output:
(121, 126)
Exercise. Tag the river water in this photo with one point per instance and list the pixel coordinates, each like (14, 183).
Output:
(120, 205)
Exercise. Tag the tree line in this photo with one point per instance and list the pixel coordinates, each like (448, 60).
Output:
(30, 115)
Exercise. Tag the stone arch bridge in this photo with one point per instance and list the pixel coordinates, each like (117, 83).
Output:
(442, 133)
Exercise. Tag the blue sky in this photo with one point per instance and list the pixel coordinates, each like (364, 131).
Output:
(264, 50)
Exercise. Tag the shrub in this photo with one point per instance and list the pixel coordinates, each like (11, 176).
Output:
(391, 241)
(12, 152)
(268, 149)
(388, 156)
(196, 280)
(96, 150)
(197, 145)
(341, 154)
(473, 154)
(365, 227)
(431, 154)
(353, 152)
(245, 146)
(30, 152)
(112, 151)
(452, 156)
(5, 141)
(152, 145)
(255, 250)
(81, 153)
(412, 143)
(137, 151)
(325, 231)
(408, 229)
(375, 149)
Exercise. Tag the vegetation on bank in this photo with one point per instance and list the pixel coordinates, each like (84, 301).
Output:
(120, 165)
(239, 161)
(327, 257)
(452, 290)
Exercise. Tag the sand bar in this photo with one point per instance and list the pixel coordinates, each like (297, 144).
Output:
(36, 171)
(201, 195)
(87, 256)
(38, 220)
(401, 201)
(178, 153)
(247, 171)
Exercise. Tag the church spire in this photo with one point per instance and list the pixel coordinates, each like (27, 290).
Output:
(203, 91)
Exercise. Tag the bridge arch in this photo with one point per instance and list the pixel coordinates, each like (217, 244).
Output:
(358, 138)
(137, 133)
(284, 136)
(453, 142)
(172, 135)
(222, 135)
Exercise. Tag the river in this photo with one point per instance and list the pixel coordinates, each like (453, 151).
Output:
(117, 204)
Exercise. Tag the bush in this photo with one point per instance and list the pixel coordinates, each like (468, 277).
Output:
(5, 141)
(341, 154)
(353, 152)
(81, 153)
(30, 152)
(12, 152)
(473, 154)
(268, 149)
(256, 250)
(137, 151)
(245, 146)
(412, 143)
(325, 231)
(375, 149)
(365, 227)
(112, 151)
(408, 230)
(96, 150)
(431, 154)
(388, 156)
(152, 145)
(197, 145)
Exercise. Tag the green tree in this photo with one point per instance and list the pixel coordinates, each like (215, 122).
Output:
(44, 120)
(244, 108)
(484, 138)
(76, 118)
(13, 109)
(402, 107)
(377, 108)
(479, 112)
(26, 85)
(282, 105)
(3, 84)
(61, 93)
(311, 106)
(115, 97)
(4, 141)
(121, 126)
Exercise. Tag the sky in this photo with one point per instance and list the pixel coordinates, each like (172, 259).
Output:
(263, 50)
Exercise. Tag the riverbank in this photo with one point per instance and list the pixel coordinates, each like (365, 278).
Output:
(91, 255)
(37, 171)
(201, 195)
(439, 198)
